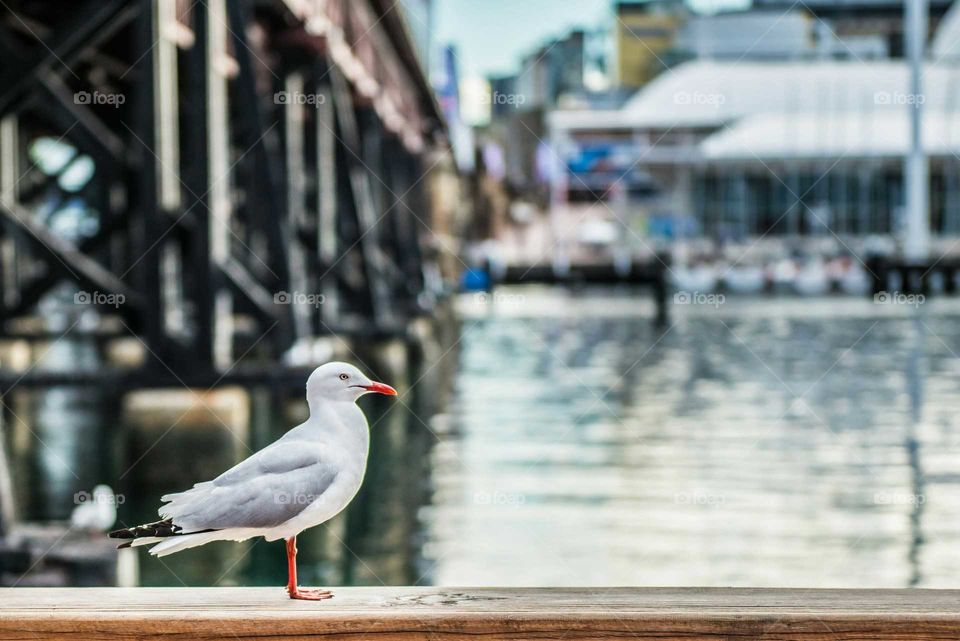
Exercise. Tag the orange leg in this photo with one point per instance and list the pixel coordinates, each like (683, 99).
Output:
(292, 589)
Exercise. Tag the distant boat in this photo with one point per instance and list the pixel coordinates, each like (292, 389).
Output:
(781, 274)
(598, 233)
(744, 279)
(853, 279)
(812, 279)
(699, 278)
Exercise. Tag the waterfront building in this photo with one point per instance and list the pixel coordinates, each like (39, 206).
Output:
(851, 20)
(771, 147)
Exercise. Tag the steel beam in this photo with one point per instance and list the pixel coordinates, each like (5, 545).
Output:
(65, 41)
(65, 257)
(366, 213)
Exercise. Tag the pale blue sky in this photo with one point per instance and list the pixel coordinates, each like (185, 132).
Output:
(493, 35)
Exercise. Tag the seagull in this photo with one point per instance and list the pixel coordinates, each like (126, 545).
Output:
(96, 512)
(303, 479)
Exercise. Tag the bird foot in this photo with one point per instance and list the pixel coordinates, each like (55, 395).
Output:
(310, 595)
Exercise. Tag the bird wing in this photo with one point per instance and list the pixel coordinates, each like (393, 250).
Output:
(267, 489)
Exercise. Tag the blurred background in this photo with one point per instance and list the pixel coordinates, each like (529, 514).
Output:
(668, 288)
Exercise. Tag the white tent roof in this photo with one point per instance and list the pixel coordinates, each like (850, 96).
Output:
(833, 135)
(705, 93)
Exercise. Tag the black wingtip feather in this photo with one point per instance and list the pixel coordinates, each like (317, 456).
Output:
(160, 529)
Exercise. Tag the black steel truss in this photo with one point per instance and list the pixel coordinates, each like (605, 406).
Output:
(316, 199)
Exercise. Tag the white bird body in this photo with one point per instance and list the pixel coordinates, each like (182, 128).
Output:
(303, 479)
(350, 449)
(97, 511)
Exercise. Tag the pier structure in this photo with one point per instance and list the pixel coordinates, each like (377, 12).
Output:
(209, 198)
(213, 178)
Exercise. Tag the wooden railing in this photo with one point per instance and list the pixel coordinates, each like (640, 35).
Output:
(207, 614)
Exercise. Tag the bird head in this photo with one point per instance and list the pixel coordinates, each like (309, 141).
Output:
(342, 382)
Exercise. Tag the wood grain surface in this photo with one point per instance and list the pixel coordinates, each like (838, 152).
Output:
(206, 614)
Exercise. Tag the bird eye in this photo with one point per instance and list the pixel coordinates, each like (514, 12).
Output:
(344, 377)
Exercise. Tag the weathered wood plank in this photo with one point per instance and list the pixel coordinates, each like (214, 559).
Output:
(207, 614)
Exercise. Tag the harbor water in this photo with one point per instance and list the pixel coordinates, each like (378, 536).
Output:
(749, 442)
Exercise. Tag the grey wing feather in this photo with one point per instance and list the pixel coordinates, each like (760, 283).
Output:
(267, 489)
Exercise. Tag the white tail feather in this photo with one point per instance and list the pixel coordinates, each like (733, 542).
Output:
(184, 541)
(147, 540)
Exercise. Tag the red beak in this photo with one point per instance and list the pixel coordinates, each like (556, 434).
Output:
(380, 388)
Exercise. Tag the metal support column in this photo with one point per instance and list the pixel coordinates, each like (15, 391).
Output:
(916, 245)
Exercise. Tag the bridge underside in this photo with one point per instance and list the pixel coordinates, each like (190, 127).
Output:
(223, 180)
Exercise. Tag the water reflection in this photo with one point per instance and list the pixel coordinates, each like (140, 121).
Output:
(67, 433)
(759, 442)
(806, 443)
